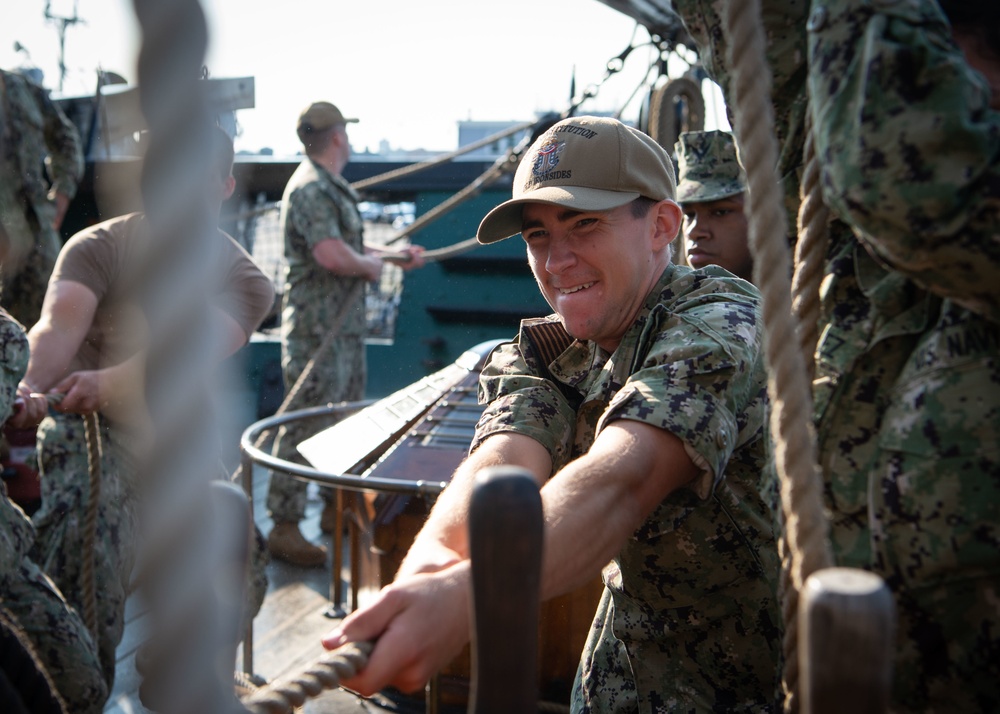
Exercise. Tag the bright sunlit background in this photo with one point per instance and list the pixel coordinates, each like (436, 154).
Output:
(408, 70)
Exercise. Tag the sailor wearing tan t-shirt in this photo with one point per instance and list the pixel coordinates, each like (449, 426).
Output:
(89, 345)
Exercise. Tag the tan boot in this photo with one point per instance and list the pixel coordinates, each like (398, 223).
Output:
(328, 519)
(287, 543)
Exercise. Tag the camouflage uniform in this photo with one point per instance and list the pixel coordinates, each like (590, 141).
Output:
(33, 133)
(55, 630)
(316, 205)
(707, 167)
(688, 620)
(60, 522)
(907, 390)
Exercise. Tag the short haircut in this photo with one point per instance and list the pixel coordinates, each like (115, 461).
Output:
(640, 207)
(316, 141)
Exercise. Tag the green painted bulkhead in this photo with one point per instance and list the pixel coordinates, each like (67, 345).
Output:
(452, 305)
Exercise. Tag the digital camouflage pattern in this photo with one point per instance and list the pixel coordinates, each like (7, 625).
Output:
(60, 523)
(35, 138)
(55, 629)
(689, 620)
(708, 168)
(316, 205)
(907, 390)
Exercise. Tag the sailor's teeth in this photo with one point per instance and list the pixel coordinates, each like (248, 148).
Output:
(569, 291)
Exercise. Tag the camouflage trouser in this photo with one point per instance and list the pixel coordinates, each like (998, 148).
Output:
(716, 658)
(60, 524)
(58, 636)
(339, 376)
(22, 294)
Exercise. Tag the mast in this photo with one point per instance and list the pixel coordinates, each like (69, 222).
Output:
(61, 23)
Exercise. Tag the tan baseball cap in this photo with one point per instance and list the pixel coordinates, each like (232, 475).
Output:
(587, 164)
(320, 116)
(708, 168)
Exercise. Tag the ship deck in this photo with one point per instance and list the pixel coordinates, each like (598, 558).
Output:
(286, 631)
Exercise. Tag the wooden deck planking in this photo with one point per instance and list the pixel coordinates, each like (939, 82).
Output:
(286, 631)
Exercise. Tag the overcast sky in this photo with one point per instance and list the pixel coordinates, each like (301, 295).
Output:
(408, 69)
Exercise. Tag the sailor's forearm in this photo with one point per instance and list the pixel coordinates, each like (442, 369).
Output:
(594, 504)
(444, 537)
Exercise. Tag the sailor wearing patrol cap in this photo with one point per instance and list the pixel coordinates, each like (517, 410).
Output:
(710, 189)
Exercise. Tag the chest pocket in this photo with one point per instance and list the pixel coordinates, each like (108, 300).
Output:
(936, 486)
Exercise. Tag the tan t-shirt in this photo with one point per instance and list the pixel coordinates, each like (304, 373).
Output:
(105, 258)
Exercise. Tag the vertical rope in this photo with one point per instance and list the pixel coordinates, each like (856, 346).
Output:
(810, 253)
(93, 438)
(788, 382)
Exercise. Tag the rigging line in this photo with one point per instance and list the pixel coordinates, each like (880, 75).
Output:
(488, 177)
(442, 159)
(644, 82)
(612, 67)
(492, 174)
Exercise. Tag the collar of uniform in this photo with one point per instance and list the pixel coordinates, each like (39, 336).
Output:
(576, 363)
(338, 181)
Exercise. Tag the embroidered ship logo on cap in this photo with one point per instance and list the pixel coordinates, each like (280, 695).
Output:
(546, 159)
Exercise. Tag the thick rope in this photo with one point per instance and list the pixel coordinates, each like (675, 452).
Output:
(325, 672)
(810, 254)
(789, 596)
(438, 160)
(491, 175)
(93, 437)
(788, 383)
(438, 254)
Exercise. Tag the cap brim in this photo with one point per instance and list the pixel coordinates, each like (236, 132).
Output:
(505, 221)
(703, 193)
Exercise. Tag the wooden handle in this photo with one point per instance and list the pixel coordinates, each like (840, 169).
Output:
(505, 544)
(847, 626)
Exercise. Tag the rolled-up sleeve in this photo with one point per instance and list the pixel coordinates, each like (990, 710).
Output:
(696, 381)
(522, 403)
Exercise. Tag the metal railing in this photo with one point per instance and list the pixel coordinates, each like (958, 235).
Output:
(251, 454)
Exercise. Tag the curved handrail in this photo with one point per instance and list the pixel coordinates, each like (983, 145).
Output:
(351, 482)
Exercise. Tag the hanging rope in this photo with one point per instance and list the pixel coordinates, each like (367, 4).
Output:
(93, 436)
(810, 253)
(788, 383)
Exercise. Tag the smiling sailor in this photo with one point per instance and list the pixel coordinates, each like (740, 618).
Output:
(639, 408)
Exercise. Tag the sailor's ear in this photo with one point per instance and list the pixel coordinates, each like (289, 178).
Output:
(230, 187)
(667, 219)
